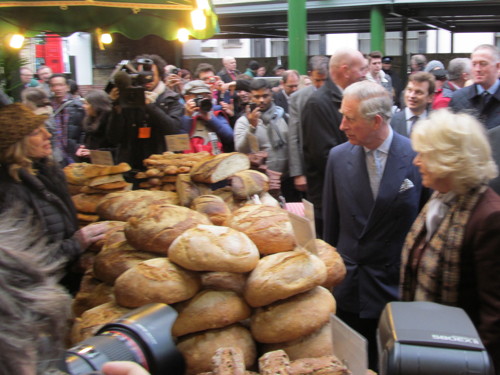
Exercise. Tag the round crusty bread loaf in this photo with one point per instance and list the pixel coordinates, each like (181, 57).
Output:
(246, 183)
(268, 227)
(224, 281)
(92, 320)
(317, 344)
(291, 319)
(92, 293)
(155, 280)
(214, 248)
(213, 206)
(282, 275)
(210, 309)
(123, 205)
(160, 226)
(116, 257)
(112, 226)
(335, 267)
(198, 349)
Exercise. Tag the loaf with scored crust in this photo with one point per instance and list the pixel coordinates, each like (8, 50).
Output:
(219, 168)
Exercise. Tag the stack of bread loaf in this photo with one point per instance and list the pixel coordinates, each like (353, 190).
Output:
(162, 169)
(89, 183)
(236, 277)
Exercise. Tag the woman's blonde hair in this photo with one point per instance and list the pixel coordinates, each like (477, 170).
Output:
(16, 157)
(455, 146)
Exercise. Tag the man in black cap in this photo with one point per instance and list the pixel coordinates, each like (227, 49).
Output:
(396, 81)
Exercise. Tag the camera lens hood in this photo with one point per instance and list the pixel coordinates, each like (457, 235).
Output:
(151, 326)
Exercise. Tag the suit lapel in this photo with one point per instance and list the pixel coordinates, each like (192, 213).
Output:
(394, 174)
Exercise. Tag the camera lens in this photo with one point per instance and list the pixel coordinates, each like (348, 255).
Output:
(142, 336)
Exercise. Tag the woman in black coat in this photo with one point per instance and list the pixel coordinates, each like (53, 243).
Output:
(30, 178)
(97, 107)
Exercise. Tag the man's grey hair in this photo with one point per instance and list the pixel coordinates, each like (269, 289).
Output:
(373, 99)
(319, 64)
(458, 66)
(495, 51)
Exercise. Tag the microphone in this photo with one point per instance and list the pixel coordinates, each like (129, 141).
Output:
(122, 80)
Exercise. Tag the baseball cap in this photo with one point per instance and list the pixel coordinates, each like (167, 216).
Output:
(387, 59)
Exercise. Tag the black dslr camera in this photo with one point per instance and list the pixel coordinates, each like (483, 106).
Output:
(142, 336)
(130, 82)
(203, 103)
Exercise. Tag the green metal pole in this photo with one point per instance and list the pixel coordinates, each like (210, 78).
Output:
(377, 29)
(297, 35)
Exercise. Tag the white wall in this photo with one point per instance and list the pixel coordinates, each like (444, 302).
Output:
(79, 45)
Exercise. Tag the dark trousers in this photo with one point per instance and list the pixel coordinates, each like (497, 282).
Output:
(366, 328)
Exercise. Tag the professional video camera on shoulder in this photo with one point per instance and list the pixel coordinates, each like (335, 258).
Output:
(130, 82)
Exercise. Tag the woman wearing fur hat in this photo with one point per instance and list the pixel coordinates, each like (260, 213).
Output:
(29, 175)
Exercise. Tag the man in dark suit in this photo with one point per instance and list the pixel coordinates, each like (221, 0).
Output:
(372, 194)
(494, 138)
(321, 120)
(418, 96)
(289, 84)
(318, 71)
(483, 97)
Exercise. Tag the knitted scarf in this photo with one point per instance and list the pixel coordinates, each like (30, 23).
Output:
(438, 273)
(269, 118)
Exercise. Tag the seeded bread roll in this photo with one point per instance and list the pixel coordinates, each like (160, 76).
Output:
(335, 267)
(228, 361)
(274, 363)
(294, 317)
(317, 344)
(224, 281)
(220, 167)
(210, 309)
(246, 183)
(198, 349)
(155, 280)
(326, 365)
(160, 226)
(282, 275)
(213, 206)
(126, 204)
(214, 248)
(268, 227)
(116, 257)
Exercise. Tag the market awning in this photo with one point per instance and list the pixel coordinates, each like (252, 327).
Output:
(132, 18)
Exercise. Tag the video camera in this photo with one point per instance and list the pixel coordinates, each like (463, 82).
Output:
(142, 336)
(130, 82)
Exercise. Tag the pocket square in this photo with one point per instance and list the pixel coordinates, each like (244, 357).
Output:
(407, 184)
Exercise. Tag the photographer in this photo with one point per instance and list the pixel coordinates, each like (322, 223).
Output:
(140, 128)
(200, 118)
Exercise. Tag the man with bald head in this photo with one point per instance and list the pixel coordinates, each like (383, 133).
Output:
(321, 121)
(229, 72)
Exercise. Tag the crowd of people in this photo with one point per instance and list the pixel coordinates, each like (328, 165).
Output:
(403, 179)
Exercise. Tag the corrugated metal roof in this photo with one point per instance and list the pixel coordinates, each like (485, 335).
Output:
(267, 18)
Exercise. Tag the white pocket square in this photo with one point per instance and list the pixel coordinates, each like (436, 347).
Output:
(407, 184)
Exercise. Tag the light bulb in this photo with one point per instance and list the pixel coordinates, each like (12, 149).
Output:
(106, 38)
(16, 41)
(202, 4)
(198, 19)
(183, 35)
